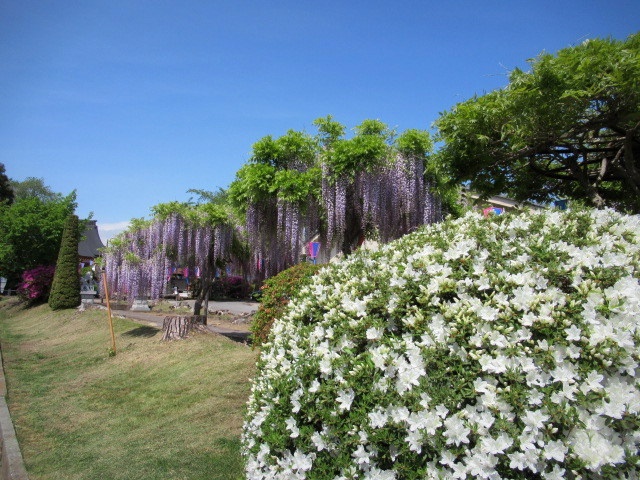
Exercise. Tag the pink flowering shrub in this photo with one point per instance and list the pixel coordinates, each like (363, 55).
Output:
(36, 284)
(231, 286)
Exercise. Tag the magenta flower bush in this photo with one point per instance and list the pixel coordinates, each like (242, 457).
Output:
(36, 283)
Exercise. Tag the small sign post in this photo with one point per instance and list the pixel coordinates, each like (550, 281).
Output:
(106, 294)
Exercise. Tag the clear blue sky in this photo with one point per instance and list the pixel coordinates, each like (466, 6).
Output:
(134, 102)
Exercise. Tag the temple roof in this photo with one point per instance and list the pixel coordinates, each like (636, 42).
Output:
(89, 245)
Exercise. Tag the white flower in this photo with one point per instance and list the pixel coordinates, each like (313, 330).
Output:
(555, 450)
(303, 462)
(500, 312)
(377, 474)
(482, 386)
(456, 431)
(414, 439)
(357, 306)
(426, 420)
(488, 313)
(483, 283)
(493, 365)
(318, 441)
(480, 464)
(397, 282)
(400, 414)
(565, 372)
(594, 449)
(535, 397)
(315, 386)
(496, 445)
(556, 474)
(345, 397)
(377, 418)
(295, 400)
(374, 333)
(441, 411)
(424, 400)
(292, 427)
(573, 333)
(325, 365)
(361, 455)
(409, 372)
(620, 393)
(379, 356)
(523, 297)
(534, 420)
(518, 460)
(447, 458)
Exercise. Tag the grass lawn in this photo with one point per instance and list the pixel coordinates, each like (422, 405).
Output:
(156, 410)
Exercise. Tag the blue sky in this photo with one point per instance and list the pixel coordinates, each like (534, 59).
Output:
(134, 102)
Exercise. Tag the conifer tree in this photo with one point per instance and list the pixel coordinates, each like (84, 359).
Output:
(65, 290)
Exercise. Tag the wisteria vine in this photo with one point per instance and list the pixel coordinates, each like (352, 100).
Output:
(137, 261)
(297, 187)
(392, 201)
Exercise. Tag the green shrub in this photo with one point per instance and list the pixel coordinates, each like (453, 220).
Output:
(276, 293)
(498, 348)
(65, 290)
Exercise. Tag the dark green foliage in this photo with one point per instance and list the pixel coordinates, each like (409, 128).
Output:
(65, 291)
(6, 192)
(294, 147)
(328, 130)
(568, 128)
(219, 197)
(276, 293)
(362, 152)
(30, 233)
(33, 187)
(414, 142)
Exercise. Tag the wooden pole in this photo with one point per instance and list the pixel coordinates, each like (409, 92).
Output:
(106, 294)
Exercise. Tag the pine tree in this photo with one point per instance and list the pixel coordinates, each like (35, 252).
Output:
(65, 290)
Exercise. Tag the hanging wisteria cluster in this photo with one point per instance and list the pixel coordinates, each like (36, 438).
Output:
(276, 230)
(342, 192)
(392, 200)
(277, 193)
(138, 260)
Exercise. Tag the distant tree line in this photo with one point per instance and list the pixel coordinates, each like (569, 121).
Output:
(32, 219)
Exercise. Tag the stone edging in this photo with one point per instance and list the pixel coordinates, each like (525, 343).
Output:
(12, 463)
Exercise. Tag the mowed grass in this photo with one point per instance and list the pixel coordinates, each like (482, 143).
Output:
(157, 410)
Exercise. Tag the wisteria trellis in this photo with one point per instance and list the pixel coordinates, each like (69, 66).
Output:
(137, 263)
(385, 193)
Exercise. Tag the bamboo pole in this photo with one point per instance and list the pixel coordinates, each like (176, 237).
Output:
(106, 294)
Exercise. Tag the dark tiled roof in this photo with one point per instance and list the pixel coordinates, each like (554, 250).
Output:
(89, 245)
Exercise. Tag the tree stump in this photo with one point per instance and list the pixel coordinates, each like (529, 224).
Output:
(176, 327)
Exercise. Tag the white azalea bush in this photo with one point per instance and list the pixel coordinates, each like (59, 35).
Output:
(500, 348)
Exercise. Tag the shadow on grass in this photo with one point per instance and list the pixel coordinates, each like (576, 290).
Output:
(143, 331)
